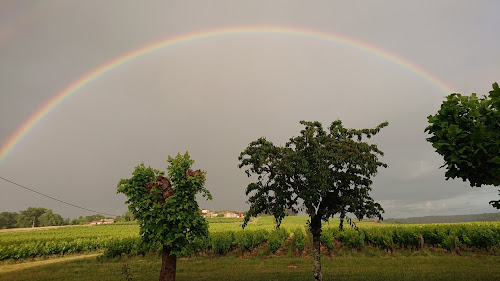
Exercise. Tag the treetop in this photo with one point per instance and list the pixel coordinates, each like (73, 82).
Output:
(322, 173)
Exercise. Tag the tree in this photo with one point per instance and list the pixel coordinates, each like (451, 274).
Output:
(321, 173)
(166, 208)
(8, 219)
(48, 218)
(96, 217)
(127, 216)
(466, 132)
(30, 217)
(87, 219)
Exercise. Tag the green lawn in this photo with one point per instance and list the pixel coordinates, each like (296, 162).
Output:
(437, 267)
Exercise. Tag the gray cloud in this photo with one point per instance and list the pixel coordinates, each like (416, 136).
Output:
(214, 96)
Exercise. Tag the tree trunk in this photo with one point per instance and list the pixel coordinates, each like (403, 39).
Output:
(316, 233)
(168, 265)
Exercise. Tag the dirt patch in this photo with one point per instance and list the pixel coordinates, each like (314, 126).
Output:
(38, 228)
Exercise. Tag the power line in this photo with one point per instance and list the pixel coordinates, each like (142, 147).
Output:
(73, 205)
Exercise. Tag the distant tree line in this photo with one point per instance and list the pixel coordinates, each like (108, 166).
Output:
(38, 216)
(127, 216)
(31, 217)
(447, 219)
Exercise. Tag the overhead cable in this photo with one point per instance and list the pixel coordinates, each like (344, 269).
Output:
(73, 205)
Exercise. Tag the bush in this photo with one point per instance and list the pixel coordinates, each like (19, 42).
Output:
(300, 239)
(124, 246)
(244, 240)
(351, 238)
(260, 236)
(221, 242)
(327, 239)
(276, 239)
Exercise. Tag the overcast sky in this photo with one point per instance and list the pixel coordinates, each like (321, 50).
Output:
(214, 96)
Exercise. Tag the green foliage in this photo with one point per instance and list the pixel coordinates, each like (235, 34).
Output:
(15, 245)
(244, 240)
(48, 218)
(299, 239)
(323, 173)
(221, 242)
(8, 219)
(129, 246)
(466, 132)
(87, 219)
(224, 220)
(116, 240)
(30, 217)
(260, 236)
(379, 236)
(351, 238)
(327, 238)
(126, 217)
(276, 239)
(176, 221)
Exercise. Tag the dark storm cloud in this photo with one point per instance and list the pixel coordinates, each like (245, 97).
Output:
(212, 97)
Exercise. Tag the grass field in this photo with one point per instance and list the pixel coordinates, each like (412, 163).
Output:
(431, 267)
(343, 261)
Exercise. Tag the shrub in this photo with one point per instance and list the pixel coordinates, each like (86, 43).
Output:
(300, 239)
(276, 239)
(221, 242)
(327, 239)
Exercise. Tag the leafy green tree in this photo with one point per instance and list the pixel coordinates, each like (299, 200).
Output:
(8, 219)
(321, 173)
(77, 221)
(48, 218)
(466, 132)
(127, 216)
(96, 217)
(30, 217)
(87, 219)
(166, 208)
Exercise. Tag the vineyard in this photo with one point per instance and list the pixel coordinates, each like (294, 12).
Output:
(226, 235)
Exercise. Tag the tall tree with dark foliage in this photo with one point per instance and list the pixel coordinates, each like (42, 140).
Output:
(323, 173)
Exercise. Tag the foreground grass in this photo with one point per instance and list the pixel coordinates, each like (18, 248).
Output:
(433, 267)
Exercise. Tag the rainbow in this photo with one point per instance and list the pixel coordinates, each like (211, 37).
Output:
(91, 76)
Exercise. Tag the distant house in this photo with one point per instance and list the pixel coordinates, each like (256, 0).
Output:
(208, 213)
(104, 221)
(225, 214)
(229, 214)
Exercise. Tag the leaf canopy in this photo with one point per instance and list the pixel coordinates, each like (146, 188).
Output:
(320, 172)
(466, 132)
(174, 221)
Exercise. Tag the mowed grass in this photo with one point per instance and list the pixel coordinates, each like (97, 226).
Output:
(438, 267)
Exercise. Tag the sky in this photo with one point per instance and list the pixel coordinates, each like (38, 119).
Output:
(375, 61)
